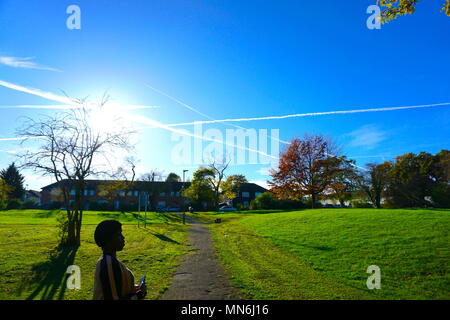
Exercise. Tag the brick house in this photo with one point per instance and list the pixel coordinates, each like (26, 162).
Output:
(160, 194)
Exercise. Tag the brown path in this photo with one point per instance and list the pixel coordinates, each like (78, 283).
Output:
(200, 276)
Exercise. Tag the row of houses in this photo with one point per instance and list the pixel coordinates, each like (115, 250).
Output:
(159, 194)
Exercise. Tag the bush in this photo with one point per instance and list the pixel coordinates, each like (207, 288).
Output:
(3, 205)
(268, 201)
(361, 204)
(440, 195)
(308, 204)
(55, 205)
(29, 204)
(13, 204)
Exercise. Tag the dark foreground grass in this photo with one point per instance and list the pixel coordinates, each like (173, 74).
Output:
(324, 254)
(31, 267)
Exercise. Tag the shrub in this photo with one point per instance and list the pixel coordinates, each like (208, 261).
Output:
(13, 204)
(29, 204)
(268, 201)
(440, 196)
(55, 205)
(361, 204)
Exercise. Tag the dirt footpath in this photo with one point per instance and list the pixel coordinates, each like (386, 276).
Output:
(200, 276)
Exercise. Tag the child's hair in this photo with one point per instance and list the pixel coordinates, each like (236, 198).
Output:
(105, 230)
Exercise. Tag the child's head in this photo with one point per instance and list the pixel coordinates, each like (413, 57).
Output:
(108, 235)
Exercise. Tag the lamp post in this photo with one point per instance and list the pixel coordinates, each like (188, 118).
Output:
(182, 188)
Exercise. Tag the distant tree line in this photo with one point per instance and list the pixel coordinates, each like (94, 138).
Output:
(311, 169)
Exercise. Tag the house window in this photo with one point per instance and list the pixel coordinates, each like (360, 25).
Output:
(130, 193)
(257, 194)
(136, 193)
(85, 192)
(72, 192)
(178, 194)
(162, 194)
(121, 193)
(245, 204)
(172, 194)
(92, 193)
(245, 194)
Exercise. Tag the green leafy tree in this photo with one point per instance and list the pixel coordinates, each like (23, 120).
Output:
(200, 190)
(13, 178)
(4, 191)
(343, 182)
(411, 180)
(372, 184)
(395, 8)
(265, 200)
(231, 186)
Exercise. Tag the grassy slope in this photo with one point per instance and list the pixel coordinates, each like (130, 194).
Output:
(30, 267)
(325, 253)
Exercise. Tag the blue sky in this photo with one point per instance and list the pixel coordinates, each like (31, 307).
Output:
(235, 59)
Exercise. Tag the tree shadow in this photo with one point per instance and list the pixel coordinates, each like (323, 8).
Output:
(50, 275)
(46, 214)
(163, 237)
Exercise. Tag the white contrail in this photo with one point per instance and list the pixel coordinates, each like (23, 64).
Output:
(201, 113)
(68, 103)
(308, 114)
(17, 62)
(37, 92)
(156, 124)
(178, 101)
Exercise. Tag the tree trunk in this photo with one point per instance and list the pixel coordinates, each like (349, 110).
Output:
(313, 201)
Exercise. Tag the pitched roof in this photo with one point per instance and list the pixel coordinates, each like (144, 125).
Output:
(145, 185)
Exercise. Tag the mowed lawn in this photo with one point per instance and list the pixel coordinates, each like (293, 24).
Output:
(31, 267)
(324, 253)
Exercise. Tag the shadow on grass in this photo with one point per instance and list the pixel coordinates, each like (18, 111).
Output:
(50, 276)
(165, 238)
(162, 237)
(46, 214)
(124, 216)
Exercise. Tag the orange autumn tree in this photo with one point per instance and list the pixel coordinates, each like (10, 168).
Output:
(306, 168)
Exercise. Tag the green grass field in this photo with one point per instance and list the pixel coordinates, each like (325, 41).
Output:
(324, 253)
(32, 268)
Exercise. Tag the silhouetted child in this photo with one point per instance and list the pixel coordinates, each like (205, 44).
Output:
(113, 280)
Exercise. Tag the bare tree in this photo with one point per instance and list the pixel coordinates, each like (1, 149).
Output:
(70, 148)
(217, 177)
(149, 186)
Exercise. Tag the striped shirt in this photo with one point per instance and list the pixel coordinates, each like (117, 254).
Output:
(113, 280)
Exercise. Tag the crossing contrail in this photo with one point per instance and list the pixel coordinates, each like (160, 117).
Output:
(68, 103)
(298, 115)
(139, 119)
